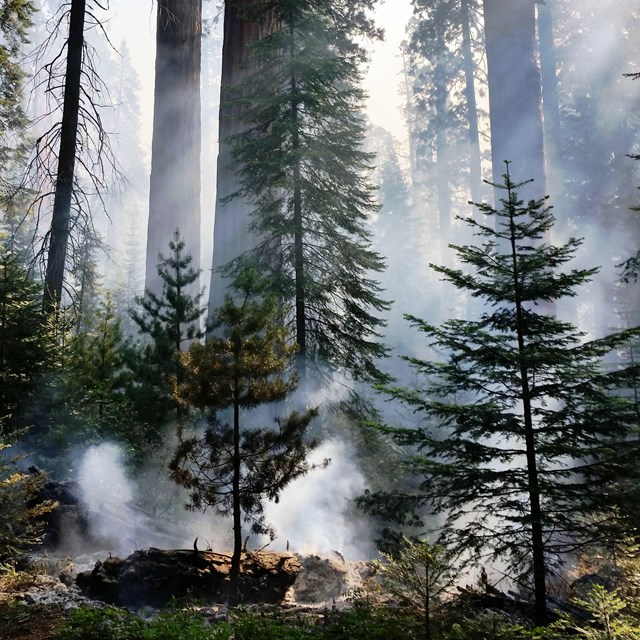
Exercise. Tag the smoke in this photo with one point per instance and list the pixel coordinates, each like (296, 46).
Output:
(107, 495)
(127, 513)
(316, 514)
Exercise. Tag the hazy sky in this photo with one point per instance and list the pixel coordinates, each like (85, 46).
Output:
(135, 22)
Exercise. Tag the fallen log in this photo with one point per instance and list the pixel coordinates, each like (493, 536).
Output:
(152, 577)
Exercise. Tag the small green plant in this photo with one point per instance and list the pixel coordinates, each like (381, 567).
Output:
(419, 575)
(609, 620)
(116, 624)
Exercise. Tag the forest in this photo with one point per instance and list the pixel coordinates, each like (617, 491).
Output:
(248, 334)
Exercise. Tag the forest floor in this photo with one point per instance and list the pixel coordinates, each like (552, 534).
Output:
(34, 606)
(36, 622)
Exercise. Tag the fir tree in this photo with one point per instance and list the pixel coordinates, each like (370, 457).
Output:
(301, 163)
(27, 344)
(96, 378)
(237, 465)
(524, 431)
(168, 323)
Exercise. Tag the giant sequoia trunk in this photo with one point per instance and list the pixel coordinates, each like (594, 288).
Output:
(515, 93)
(550, 97)
(231, 237)
(442, 143)
(475, 176)
(61, 217)
(174, 199)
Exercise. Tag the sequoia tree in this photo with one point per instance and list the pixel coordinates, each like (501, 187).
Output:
(445, 44)
(525, 433)
(515, 93)
(302, 167)
(231, 237)
(174, 197)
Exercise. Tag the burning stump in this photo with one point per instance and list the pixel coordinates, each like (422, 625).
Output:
(153, 576)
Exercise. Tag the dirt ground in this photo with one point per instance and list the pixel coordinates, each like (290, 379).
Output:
(29, 622)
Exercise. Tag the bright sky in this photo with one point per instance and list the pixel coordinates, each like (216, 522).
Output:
(135, 22)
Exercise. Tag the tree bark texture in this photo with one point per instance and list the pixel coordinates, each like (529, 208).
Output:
(515, 95)
(231, 237)
(174, 198)
(61, 217)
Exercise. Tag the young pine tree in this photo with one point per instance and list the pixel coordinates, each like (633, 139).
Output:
(237, 465)
(167, 322)
(302, 165)
(524, 431)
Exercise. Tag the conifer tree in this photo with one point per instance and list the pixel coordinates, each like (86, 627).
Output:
(237, 464)
(302, 166)
(96, 377)
(167, 322)
(27, 345)
(524, 431)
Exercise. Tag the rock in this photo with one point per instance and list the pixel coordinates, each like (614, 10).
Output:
(153, 577)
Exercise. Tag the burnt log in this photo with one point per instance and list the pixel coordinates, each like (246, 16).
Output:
(68, 521)
(152, 577)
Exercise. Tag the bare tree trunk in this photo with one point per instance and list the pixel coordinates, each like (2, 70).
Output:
(410, 116)
(442, 145)
(531, 447)
(234, 574)
(475, 171)
(231, 237)
(174, 197)
(60, 221)
(515, 95)
(550, 98)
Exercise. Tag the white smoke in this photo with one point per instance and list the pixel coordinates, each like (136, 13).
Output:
(316, 514)
(107, 495)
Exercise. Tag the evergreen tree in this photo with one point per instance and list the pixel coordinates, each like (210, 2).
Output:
(27, 344)
(302, 166)
(167, 322)
(237, 465)
(95, 379)
(525, 432)
(444, 49)
(397, 234)
(15, 21)
(16, 18)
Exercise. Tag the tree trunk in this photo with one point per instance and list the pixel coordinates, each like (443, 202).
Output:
(550, 99)
(231, 237)
(234, 574)
(410, 120)
(60, 221)
(174, 197)
(535, 510)
(475, 170)
(442, 146)
(298, 241)
(515, 95)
